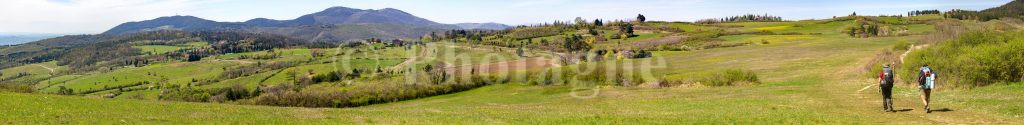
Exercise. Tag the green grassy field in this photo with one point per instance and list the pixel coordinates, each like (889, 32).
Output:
(802, 101)
(157, 49)
(175, 73)
(811, 78)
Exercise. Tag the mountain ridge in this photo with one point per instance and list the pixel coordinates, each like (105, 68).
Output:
(485, 26)
(387, 23)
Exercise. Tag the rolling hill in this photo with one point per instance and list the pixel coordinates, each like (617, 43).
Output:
(332, 24)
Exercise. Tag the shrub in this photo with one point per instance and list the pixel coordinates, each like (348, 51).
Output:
(381, 91)
(7, 87)
(974, 59)
(873, 67)
(235, 92)
(730, 77)
(185, 94)
(902, 45)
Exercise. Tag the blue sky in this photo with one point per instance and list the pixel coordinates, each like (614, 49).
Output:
(95, 16)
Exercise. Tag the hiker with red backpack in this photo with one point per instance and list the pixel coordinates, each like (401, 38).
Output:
(885, 84)
(926, 79)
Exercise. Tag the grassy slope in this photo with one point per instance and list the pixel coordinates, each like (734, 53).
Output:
(157, 49)
(174, 73)
(37, 71)
(807, 80)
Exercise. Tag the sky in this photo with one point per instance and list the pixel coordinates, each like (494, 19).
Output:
(96, 16)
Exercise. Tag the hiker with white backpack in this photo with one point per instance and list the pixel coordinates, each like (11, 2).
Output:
(926, 79)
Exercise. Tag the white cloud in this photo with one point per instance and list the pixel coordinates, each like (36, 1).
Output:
(83, 16)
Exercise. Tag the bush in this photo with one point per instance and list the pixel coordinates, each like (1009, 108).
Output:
(730, 77)
(7, 87)
(873, 67)
(974, 59)
(186, 94)
(902, 45)
(235, 92)
(364, 94)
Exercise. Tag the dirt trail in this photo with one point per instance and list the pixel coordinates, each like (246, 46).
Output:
(47, 68)
(902, 57)
(424, 52)
(912, 48)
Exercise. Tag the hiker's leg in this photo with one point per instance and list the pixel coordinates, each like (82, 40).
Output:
(927, 97)
(890, 97)
(887, 97)
(885, 106)
(888, 102)
(924, 96)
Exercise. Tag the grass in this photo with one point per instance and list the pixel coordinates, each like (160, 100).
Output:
(993, 99)
(176, 73)
(772, 28)
(921, 28)
(365, 64)
(466, 55)
(515, 104)
(691, 27)
(158, 49)
(55, 80)
(35, 72)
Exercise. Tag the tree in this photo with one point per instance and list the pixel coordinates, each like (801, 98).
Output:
(316, 53)
(580, 21)
(592, 31)
(574, 43)
(626, 29)
(65, 91)
(426, 38)
(520, 52)
(641, 18)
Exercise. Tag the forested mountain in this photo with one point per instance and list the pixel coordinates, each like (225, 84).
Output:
(1014, 9)
(343, 15)
(185, 23)
(485, 26)
(332, 24)
(86, 51)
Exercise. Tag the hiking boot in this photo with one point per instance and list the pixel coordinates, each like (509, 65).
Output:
(927, 110)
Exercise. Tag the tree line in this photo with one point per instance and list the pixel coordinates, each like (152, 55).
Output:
(742, 18)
